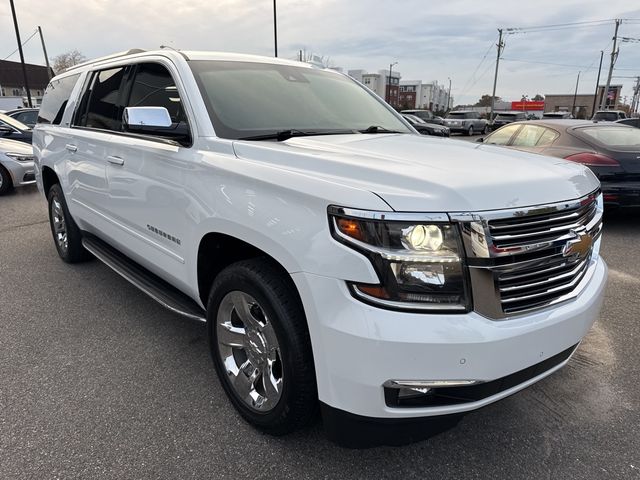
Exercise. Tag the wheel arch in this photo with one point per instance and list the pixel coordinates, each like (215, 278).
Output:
(218, 250)
(49, 178)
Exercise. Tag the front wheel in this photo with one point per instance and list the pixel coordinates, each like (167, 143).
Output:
(260, 346)
(66, 234)
(470, 131)
(5, 181)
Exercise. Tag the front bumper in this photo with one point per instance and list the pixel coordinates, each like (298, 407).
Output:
(357, 347)
(22, 173)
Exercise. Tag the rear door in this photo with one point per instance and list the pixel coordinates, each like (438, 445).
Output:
(97, 117)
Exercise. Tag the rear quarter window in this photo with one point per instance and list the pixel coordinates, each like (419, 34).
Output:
(55, 99)
(612, 136)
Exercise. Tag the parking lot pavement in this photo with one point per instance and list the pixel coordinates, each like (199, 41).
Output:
(98, 381)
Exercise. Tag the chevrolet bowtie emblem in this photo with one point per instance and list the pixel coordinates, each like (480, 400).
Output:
(580, 246)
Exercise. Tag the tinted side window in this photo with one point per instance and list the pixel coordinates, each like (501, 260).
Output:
(28, 118)
(502, 135)
(153, 86)
(103, 110)
(55, 99)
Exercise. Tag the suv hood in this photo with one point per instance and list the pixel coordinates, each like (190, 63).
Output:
(422, 174)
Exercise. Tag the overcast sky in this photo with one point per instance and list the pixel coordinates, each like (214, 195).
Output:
(430, 40)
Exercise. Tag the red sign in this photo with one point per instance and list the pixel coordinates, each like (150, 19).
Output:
(531, 105)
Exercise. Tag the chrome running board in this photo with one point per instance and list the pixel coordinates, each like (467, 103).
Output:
(158, 289)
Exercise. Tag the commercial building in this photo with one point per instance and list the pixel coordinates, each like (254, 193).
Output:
(12, 81)
(565, 103)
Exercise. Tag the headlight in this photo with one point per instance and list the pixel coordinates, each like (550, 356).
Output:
(20, 157)
(420, 263)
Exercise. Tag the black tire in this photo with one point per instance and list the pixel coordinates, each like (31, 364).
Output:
(72, 250)
(485, 130)
(275, 293)
(6, 184)
(470, 131)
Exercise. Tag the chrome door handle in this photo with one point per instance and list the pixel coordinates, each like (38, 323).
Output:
(115, 160)
(71, 147)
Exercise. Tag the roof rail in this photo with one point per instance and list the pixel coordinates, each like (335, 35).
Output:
(107, 57)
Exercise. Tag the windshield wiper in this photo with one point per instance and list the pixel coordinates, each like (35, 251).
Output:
(283, 135)
(378, 129)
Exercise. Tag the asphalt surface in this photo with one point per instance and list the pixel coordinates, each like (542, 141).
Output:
(98, 381)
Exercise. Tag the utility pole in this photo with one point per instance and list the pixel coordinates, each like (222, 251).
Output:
(575, 94)
(448, 96)
(495, 76)
(24, 68)
(595, 95)
(275, 30)
(614, 57)
(389, 83)
(636, 96)
(46, 57)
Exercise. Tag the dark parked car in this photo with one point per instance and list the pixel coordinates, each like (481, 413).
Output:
(556, 115)
(634, 122)
(28, 116)
(425, 115)
(609, 115)
(610, 150)
(14, 130)
(426, 128)
(504, 118)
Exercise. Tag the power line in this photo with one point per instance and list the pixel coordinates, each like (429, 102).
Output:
(23, 44)
(549, 63)
(592, 23)
(464, 88)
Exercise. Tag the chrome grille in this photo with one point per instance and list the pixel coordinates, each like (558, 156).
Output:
(525, 259)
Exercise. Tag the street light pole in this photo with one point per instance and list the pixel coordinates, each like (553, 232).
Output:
(275, 30)
(389, 83)
(46, 57)
(24, 68)
(448, 96)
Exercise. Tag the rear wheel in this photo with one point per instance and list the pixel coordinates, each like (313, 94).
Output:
(66, 234)
(470, 131)
(260, 346)
(5, 181)
(485, 130)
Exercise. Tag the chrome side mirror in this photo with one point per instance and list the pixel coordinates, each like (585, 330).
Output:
(144, 118)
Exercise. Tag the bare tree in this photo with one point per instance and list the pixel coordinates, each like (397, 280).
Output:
(65, 60)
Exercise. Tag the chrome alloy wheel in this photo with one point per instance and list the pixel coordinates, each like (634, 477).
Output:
(249, 350)
(59, 225)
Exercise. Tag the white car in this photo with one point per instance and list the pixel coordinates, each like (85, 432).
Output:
(16, 165)
(341, 261)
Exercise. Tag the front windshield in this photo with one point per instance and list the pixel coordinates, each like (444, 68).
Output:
(246, 99)
(506, 116)
(13, 122)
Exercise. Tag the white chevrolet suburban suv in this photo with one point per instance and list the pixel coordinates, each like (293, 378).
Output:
(342, 262)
